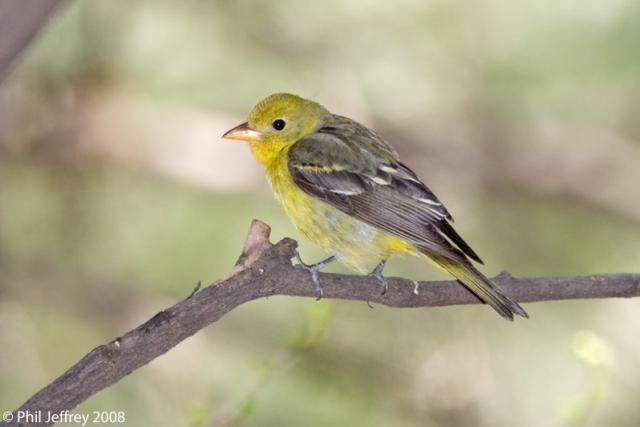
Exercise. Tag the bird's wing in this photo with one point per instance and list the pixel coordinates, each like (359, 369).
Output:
(351, 168)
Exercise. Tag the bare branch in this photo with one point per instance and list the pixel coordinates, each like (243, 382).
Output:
(265, 269)
(20, 21)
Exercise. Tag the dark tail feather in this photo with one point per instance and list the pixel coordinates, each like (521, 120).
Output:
(480, 285)
(453, 235)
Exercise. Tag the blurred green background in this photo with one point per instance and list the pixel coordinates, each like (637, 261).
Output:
(117, 195)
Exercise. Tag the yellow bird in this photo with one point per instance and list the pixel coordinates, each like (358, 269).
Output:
(345, 189)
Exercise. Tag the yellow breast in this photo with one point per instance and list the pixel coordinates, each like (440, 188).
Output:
(356, 244)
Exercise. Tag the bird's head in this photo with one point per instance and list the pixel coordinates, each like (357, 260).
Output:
(276, 123)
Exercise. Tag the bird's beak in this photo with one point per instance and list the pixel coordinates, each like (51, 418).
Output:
(243, 133)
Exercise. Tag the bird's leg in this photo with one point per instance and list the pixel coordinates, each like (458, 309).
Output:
(313, 269)
(377, 273)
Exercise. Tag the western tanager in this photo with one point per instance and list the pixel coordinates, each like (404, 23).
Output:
(346, 190)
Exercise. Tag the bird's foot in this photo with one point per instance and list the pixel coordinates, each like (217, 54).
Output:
(377, 273)
(313, 269)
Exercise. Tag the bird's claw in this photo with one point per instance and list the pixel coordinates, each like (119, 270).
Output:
(300, 262)
(383, 283)
(377, 273)
(316, 282)
(313, 269)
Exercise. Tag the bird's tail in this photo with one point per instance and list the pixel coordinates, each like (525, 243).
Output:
(480, 285)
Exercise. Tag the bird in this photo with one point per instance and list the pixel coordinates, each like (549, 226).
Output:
(345, 189)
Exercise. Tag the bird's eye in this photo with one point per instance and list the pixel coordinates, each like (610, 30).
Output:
(278, 124)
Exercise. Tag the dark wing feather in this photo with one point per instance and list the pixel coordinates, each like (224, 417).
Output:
(340, 165)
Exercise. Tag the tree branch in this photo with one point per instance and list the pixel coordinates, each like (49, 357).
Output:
(265, 269)
(20, 21)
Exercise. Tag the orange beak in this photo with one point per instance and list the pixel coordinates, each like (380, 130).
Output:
(243, 133)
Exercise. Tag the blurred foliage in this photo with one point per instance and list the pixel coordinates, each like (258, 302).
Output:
(523, 117)
(598, 358)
